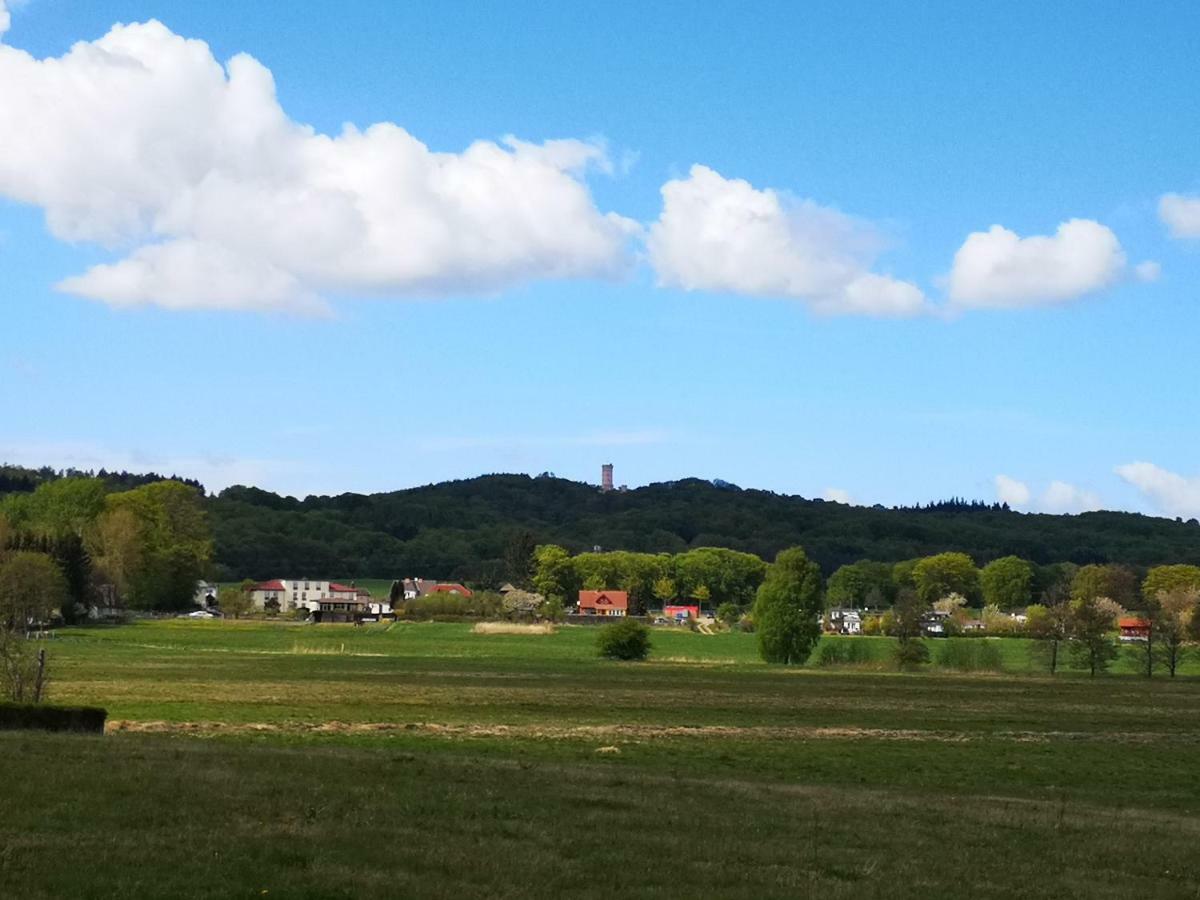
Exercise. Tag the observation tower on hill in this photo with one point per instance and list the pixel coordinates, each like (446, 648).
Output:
(606, 481)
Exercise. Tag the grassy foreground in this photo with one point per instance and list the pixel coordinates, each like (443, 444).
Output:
(426, 761)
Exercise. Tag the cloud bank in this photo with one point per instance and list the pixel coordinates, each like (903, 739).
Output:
(1181, 215)
(1169, 493)
(142, 141)
(721, 234)
(1059, 497)
(1000, 269)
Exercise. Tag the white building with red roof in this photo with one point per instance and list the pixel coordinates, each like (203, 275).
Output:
(603, 603)
(288, 594)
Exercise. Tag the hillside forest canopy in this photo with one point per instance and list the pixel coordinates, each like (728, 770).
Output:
(152, 537)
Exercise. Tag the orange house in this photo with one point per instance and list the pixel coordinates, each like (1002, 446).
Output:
(1134, 629)
(603, 603)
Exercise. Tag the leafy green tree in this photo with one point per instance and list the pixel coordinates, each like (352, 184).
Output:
(628, 639)
(32, 589)
(1117, 583)
(788, 607)
(1091, 633)
(946, 573)
(173, 546)
(907, 614)
(864, 583)
(902, 574)
(1007, 582)
(729, 614)
(233, 601)
(664, 590)
(554, 573)
(519, 559)
(1166, 579)
(1173, 615)
(1051, 627)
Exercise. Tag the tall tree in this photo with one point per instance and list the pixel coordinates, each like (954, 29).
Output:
(788, 608)
(1007, 582)
(32, 589)
(1117, 583)
(519, 559)
(860, 583)
(908, 613)
(1174, 613)
(1170, 578)
(946, 573)
(1091, 633)
(1050, 625)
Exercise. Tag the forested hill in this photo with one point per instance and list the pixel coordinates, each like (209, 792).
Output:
(464, 529)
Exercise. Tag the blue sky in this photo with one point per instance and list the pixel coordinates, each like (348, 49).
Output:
(872, 143)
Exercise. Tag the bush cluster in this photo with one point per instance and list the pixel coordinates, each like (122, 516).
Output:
(627, 639)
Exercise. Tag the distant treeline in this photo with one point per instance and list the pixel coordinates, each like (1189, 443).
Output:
(479, 530)
(471, 530)
(18, 479)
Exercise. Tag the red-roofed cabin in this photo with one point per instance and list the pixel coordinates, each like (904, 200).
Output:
(452, 588)
(682, 611)
(603, 603)
(1134, 629)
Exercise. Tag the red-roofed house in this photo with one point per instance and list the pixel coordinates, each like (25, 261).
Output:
(1134, 629)
(603, 603)
(452, 588)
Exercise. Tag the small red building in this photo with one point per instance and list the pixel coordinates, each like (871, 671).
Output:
(681, 611)
(603, 603)
(1134, 629)
(451, 588)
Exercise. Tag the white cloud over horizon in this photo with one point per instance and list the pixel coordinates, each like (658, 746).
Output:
(142, 142)
(1171, 494)
(1058, 497)
(999, 269)
(837, 495)
(723, 234)
(1181, 214)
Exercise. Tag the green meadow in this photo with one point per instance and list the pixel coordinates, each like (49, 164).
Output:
(423, 760)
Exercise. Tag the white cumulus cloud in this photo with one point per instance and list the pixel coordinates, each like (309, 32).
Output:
(1061, 497)
(721, 234)
(1015, 493)
(1181, 214)
(144, 143)
(1170, 493)
(1058, 497)
(998, 268)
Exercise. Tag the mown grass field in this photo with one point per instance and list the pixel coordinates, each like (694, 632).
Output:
(424, 760)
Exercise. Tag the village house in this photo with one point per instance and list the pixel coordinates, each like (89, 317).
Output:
(288, 594)
(842, 620)
(1134, 629)
(603, 603)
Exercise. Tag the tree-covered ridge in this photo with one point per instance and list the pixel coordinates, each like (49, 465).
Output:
(463, 529)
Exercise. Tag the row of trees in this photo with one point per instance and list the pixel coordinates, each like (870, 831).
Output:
(1007, 583)
(70, 541)
(710, 574)
(1080, 612)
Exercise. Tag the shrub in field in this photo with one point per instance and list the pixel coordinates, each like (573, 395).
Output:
(627, 639)
(51, 718)
(968, 655)
(729, 613)
(838, 652)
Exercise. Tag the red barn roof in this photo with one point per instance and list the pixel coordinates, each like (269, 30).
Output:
(603, 600)
(452, 588)
(1132, 622)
